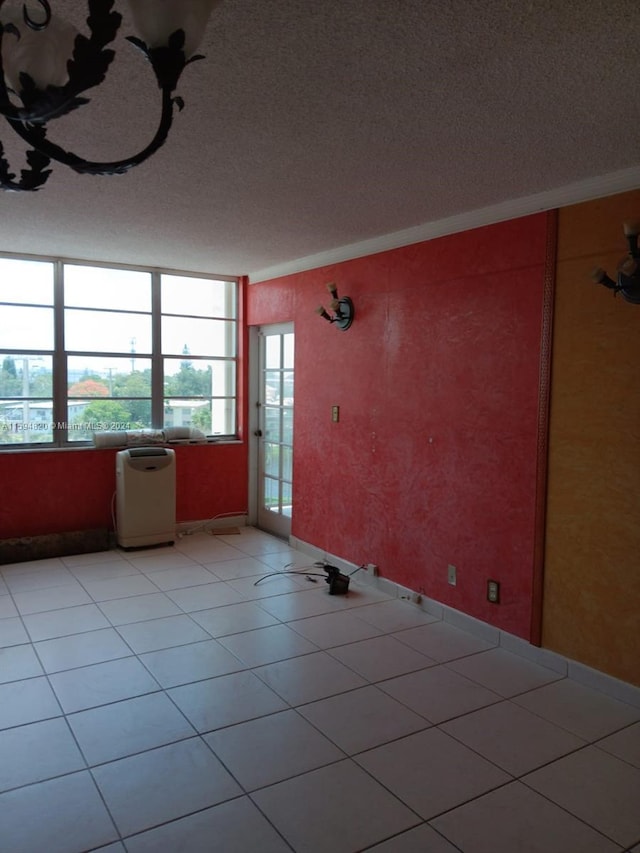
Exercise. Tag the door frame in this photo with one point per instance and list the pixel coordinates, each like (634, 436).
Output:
(254, 419)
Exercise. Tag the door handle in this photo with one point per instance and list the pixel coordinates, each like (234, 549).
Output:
(258, 433)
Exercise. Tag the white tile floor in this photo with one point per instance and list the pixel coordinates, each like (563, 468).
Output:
(161, 701)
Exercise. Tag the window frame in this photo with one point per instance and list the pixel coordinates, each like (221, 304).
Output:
(60, 355)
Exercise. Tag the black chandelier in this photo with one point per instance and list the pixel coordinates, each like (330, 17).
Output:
(46, 65)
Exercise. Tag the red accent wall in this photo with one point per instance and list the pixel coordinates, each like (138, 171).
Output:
(58, 491)
(434, 458)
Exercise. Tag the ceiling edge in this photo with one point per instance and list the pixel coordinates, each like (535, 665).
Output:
(591, 188)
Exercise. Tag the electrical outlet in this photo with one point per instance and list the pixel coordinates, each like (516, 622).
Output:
(372, 569)
(493, 592)
(452, 575)
(335, 414)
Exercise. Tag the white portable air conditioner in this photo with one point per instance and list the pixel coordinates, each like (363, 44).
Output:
(145, 496)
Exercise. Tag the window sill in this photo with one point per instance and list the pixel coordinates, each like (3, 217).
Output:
(84, 447)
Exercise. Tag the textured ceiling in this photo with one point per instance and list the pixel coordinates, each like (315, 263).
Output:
(312, 125)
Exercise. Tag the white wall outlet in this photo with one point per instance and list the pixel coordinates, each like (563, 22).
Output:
(452, 575)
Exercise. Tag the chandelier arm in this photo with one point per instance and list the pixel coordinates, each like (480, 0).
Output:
(31, 179)
(87, 68)
(32, 136)
(37, 25)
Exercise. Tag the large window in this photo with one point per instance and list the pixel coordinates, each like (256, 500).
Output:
(89, 348)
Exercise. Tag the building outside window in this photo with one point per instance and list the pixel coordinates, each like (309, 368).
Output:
(91, 348)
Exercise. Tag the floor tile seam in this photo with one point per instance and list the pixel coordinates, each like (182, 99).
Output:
(453, 809)
(278, 624)
(357, 687)
(271, 823)
(242, 555)
(115, 554)
(46, 672)
(332, 612)
(568, 811)
(21, 567)
(499, 700)
(472, 680)
(38, 588)
(182, 608)
(234, 633)
(56, 610)
(223, 764)
(86, 770)
(113, 624)
(116, 579)
(315, 651)
(357, 752)
(494, 690)
(38, 612)
(206, 639)
(410, 829)
(106, 807)
(325, 647)
(78, 634)
(246, 597)
(255, 671)
(133, 835)
(471, 799)
(44, 572)
(446, 660)
(512, 776)
(319, 731)
(93, 765)
(45, 719)
(11, 596)
(589, 740)
(133, 653)
(103, 704)
(241, 668)
(516, 776)
(597, 745)
(396, 795)
(502, 700)
(438, 664)
(133, 574)
(226, 726)
(151, 574)
(288, 778)
(606, 754)
(375, 681)
(253, 791)
(56, 775)
(277, 660)
(107, 704)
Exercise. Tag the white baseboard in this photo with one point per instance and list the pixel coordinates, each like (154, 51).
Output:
(185, 528)
(613, 687)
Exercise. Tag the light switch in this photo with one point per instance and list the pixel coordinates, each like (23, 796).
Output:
(335, 414)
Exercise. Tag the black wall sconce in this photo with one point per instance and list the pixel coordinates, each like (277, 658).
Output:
(628, 283)
(342, 307)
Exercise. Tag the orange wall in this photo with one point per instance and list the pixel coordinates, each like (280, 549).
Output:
(591, 603)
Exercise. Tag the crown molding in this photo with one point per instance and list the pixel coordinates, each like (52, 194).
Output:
(585, 190)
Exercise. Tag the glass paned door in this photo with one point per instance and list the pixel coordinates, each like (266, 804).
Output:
(275, 432)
